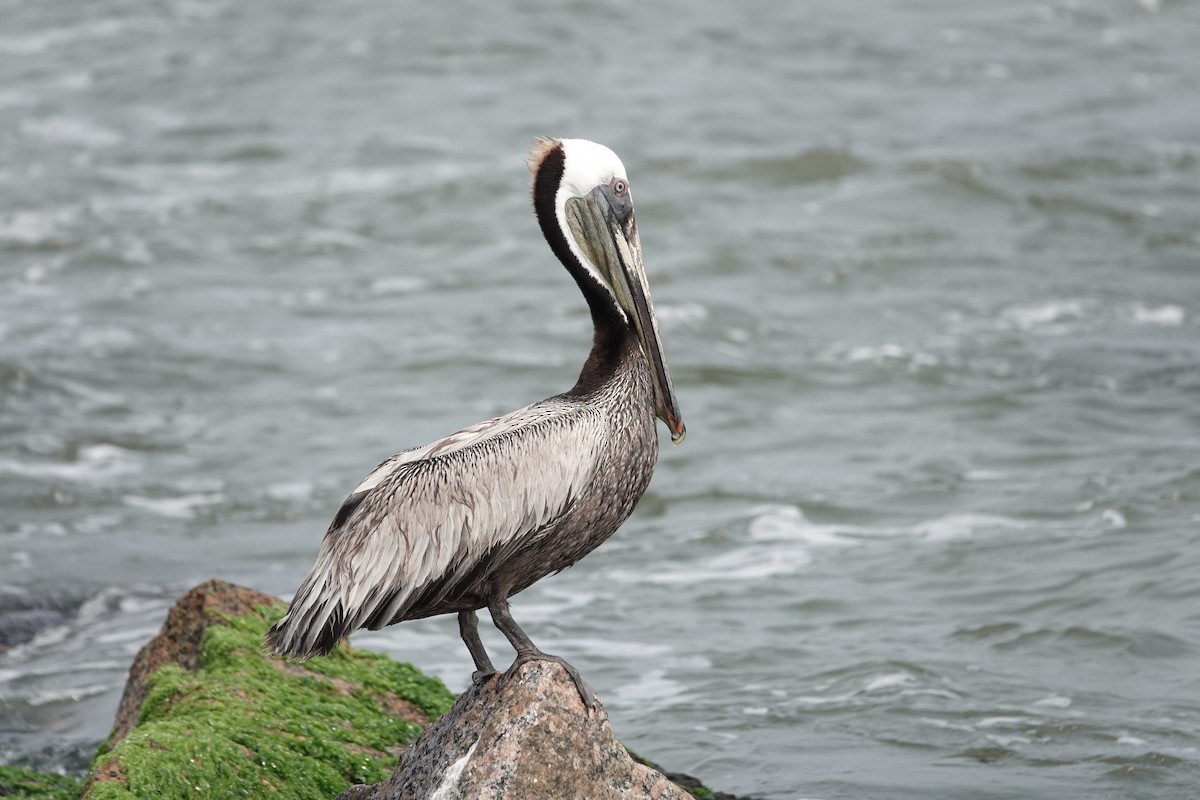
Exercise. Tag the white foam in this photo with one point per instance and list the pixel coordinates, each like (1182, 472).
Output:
(653, 689)
(325, 239)
(1054, 701)
(617, 649)
(72, 695)
(780, 541)
(71, 131)
(552, 601)
(95, 462)
(39, 41)
(997, 71)
(74, 668)
(1112, 518)
(1001, 722)
(107, 601)
(1049, 317)
(397, 284)
(136, 636)
(182, 507)
(1166, 316)
(876, 352)
(783, 523)
(34, 228)
(941, 723)
(775, 523)
(290, 491)
(835, 700)
(961, 526)
(888, 353)
(744, 564)
(347, 180)
(681, 313)
(891, 680)
(1005, 741)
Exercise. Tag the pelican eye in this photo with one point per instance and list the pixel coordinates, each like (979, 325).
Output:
(619, 186)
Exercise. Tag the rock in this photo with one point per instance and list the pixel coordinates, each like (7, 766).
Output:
(523, 738)
(180, 641)
(689, 784)
(206, 714)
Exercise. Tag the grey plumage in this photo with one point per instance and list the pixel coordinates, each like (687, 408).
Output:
(497, 505)
(468, 521)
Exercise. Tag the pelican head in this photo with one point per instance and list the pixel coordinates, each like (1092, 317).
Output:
(593, 212)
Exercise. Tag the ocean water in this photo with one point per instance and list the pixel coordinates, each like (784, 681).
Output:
(928, 275)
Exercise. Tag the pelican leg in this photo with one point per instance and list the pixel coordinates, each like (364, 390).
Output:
(528, 651)
(468, 628)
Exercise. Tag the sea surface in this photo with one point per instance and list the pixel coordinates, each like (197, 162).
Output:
(928, 274)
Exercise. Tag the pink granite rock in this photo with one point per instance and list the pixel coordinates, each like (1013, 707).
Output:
(523, 738)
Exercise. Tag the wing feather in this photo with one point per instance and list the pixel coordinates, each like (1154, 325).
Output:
(427, 518)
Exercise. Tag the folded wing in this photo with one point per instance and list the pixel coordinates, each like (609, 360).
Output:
(428, 522)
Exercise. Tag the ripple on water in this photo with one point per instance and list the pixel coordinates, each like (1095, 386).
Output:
(185, 506)
(96, 463)
(780, 540)
(85, 636)
(813, 165)
(40, 231)
(870, 683)
(71, 131)
(1169, 315)
(1079, 639)
(931, 300)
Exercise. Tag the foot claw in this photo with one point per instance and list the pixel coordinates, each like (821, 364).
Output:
(479, 677)
(585, 692)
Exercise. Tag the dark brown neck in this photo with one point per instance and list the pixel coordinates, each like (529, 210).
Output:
(613, 336)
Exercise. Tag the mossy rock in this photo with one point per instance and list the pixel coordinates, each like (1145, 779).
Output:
(226, 721)
(18, 782)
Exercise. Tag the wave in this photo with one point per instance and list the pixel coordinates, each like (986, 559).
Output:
(780, 540)
(94, 463)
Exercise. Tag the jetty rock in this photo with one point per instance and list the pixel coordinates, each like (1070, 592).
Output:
(523, 735)
(206, 713)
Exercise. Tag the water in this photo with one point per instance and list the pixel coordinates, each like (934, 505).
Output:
(928, 275)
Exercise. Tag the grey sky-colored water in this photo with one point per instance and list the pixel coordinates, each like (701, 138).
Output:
(928, 275)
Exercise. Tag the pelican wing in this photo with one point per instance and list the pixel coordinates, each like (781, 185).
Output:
(425, 519)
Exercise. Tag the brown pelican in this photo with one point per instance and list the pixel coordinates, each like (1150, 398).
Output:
(468, 521)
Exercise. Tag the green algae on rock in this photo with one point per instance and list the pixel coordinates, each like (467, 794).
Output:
(212, 716)
(206, 713)
(18, 782)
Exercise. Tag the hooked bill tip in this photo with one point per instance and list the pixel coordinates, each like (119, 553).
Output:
(677, 435)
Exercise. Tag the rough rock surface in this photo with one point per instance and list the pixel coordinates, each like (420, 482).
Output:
(522, 738)
(179, 641)
(206, 714)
